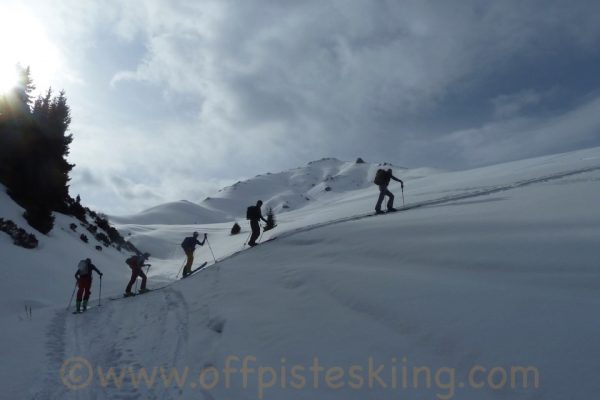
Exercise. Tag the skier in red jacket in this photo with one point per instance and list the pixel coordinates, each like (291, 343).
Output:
(84, 282)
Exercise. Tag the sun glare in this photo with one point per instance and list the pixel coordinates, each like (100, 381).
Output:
(24, 41)
(8, 78)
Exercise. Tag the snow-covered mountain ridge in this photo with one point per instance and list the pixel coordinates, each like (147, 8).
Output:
(283, 191)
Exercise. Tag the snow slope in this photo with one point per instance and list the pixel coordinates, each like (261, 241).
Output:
(42, 279)
(493, 267)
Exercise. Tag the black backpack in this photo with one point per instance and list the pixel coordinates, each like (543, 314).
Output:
(187, 243)
(380, 177)
(252, 212)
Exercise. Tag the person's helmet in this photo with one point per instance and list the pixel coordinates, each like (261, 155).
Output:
(259, 203)
(88, 260)
(195, 234)
(389, 170)
(146, 255)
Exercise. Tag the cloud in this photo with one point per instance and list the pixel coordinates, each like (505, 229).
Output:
(331, 66)
(84, 176)
(183, 96)
(519, 137)
(506, 106)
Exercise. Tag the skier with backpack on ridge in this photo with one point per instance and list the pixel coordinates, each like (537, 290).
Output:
(254, 214)
(189, 246)
(382, 179)
(136, 263)
(83, 275)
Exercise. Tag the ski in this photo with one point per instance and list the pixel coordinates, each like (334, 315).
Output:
(82, 311)
(195, 270)
(386, 212)
(123, 296)
(267, 241)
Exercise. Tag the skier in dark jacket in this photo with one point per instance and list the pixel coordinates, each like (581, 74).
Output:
(84, 282)
(383, 181)
(136, 263)
(189, 246)
(255, 215)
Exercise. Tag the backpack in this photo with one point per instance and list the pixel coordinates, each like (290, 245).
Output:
(83, 267)
(132, 261)
(252, 212)
(380, 177)
(187, 243)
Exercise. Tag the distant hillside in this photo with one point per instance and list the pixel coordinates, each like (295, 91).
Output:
(173, 213)
(282, 191)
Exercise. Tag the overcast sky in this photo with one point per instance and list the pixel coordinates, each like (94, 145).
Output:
(174, 99)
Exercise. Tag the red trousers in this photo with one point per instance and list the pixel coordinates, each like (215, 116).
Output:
(85, 285)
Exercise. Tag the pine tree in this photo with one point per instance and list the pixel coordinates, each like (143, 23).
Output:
(16, 140)
(34, 144)
(54, 129)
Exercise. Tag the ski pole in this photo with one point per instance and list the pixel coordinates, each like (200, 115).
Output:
(247, 238)
(180, 268)
(403, 196)
(211, 252)
(72, 294)
(100, 292)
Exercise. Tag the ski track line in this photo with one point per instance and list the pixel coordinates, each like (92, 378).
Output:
(171, 313)
(55, 355)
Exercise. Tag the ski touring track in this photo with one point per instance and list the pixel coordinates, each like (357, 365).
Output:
(99, 338)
